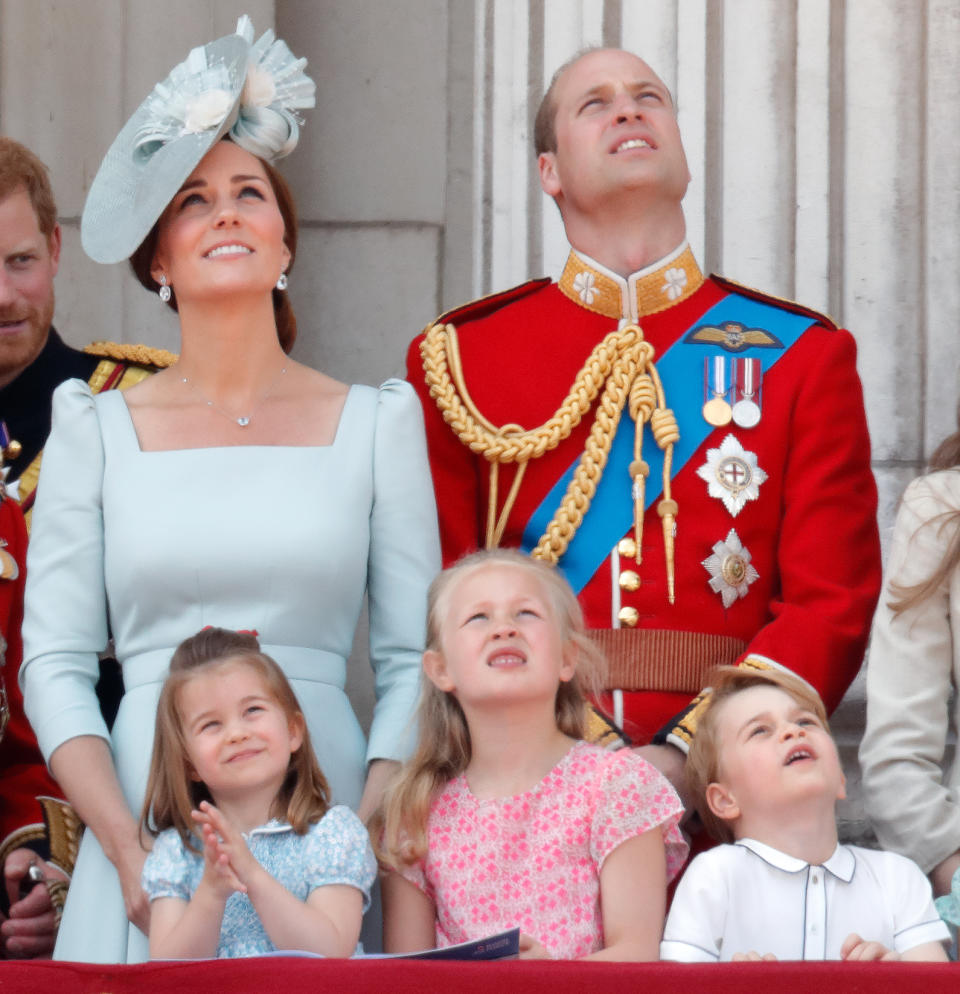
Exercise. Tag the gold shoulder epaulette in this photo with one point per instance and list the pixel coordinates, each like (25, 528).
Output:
(483, 306)
(142, 355)
(768, 298)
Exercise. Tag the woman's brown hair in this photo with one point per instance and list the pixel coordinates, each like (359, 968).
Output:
(946, 456)
(141, 262)
(172, 792)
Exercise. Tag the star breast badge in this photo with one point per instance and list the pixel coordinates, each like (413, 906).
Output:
(730, 569)
(732, 475)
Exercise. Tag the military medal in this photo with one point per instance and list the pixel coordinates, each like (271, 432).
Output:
(716, 407)
(747, 378)
(9, 570)
(10, 448)
(730, 569)
(732, 474)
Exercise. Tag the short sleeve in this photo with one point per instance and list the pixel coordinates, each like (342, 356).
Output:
(915, 916)
(167, 871)
(338, 851)
(404, 558)
(416, 874)
(696, 922)
(633, 797)
(65, 617)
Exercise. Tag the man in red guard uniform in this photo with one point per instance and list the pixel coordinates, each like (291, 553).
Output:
(39, 832)
(692, 453)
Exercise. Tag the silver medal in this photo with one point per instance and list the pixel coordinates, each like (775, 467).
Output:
(747, 379)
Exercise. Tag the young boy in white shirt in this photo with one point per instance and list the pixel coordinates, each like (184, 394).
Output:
(765, 775)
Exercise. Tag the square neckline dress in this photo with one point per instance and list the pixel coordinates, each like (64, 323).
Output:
(281, 539)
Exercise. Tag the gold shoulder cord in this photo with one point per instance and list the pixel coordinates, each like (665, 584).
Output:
(144, 355)
(621, 371)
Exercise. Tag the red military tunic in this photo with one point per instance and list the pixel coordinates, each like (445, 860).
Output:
(23, 775)
(811, 531)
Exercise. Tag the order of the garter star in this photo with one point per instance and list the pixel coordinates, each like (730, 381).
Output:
(732, 474)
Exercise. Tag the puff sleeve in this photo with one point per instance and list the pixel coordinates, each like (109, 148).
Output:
(65, 617)
(404, 558)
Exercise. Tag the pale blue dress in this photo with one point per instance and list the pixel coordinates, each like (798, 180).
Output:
(283, 540)
(334, 850)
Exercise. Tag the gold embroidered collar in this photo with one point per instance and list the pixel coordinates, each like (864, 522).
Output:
(598, 289)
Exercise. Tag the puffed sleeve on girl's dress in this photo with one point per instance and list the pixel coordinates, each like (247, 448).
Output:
(337, 850)
(912, 666)
(404, 558)
(65, 616)
(171, 870)
(633, 797)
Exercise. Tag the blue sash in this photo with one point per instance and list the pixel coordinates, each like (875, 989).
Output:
(681, 369)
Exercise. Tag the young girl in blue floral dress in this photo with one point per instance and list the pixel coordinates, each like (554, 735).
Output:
(249, 856)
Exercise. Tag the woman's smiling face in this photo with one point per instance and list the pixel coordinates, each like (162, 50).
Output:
(223, 231)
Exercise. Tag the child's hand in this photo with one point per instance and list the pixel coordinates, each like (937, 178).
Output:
(753, 957)
(216, 866)
(531, 949)
(856, 948)
(225, 852)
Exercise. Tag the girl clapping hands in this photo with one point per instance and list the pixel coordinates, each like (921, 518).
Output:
(249, 855)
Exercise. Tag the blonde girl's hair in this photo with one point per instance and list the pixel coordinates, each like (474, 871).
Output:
(905, 597)
(443, 746)
(172, 792)
(704, 759)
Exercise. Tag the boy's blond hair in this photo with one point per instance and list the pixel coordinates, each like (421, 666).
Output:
(703, 760)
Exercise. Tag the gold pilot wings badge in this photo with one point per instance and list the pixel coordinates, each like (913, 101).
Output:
(732, 336)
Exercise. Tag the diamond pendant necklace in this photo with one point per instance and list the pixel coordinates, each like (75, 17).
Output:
(244, 419)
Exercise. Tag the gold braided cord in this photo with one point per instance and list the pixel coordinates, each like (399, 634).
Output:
(620, 370)
(444, 377)
(576, 501)
(144, 355)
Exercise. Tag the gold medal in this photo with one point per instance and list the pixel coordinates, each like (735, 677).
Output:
(716, 408)
(717, 412)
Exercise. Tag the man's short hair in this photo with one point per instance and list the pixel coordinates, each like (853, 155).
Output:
(544, 124)
(703, 760)
(19, 167)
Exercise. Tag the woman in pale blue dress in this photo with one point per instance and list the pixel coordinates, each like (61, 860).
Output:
(237, 488)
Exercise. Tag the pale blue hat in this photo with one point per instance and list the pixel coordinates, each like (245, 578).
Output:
(249, 90)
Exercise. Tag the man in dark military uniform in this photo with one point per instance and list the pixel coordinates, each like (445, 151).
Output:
(38, 830)
(701, 469)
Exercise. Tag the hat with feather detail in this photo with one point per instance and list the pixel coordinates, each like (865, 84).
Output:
(232, 87)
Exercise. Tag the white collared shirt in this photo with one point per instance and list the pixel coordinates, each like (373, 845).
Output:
(749, 897)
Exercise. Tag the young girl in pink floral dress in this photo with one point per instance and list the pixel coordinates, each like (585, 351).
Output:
(505, 817)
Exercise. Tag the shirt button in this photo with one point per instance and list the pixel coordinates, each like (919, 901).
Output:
(629, 616)
(627, 547)
(815, 879)
(630, 580)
